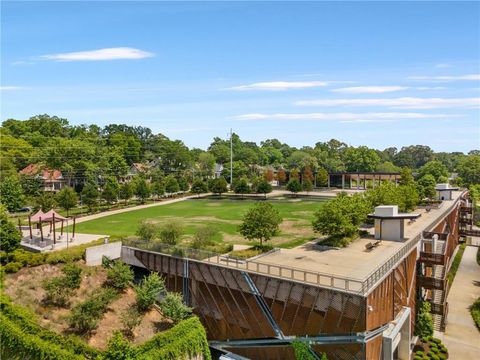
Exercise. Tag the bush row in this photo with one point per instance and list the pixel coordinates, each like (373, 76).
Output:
(22, 319)
(20, 258)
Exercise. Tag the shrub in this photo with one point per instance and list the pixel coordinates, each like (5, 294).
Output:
(130, 319)
(170, 233)
(173, 307)
(118, 348)
(203, 237)
(261, 222)
(434, 349)
(424, 323)
(442, 356)
(436, 341)
(433, 356)
(84, 316)
(119, 275)
(13, 267)
(56, 291)
(419, 352)
(475, 311)
(147, 292)
(146, 230)
(73, 275)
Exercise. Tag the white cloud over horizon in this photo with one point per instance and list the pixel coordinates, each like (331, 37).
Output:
(369, 89)
(342, 117)
(470, 77)
(396, 103)
(279, 85)
(117, 53)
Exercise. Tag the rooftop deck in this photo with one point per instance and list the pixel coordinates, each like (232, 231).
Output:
(352, 269)
(354, 262)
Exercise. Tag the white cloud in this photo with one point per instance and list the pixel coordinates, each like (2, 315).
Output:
(474, 77)
(369, 89)
(442, 66)
(9, 88)
(119, 53)
(397, 103)
(342, 117)
(279, 85)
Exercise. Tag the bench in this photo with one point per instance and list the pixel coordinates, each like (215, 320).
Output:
(369, 246)
(376, 243)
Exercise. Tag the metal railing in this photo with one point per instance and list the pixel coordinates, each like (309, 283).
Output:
(285, 272)
(340, 283)
(379, 273)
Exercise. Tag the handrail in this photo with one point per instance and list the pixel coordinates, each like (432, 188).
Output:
(379, 273)
(341, 283)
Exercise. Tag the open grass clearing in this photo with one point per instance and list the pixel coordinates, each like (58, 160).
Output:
(224, 215)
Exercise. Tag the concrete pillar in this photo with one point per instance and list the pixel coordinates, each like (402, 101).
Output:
(350, 181)
(358, 181)
(373, 181)
(328, 181)
(343, 181)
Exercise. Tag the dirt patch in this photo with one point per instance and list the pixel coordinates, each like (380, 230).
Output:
(25, 288)
(296, 227)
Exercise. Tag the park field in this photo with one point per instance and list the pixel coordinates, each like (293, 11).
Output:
(224, 215)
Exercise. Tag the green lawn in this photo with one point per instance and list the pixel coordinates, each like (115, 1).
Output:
(224, 214)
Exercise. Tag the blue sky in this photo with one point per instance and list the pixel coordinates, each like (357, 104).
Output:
(368, 73)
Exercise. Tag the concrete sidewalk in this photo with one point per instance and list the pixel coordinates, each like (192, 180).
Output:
(461, 336)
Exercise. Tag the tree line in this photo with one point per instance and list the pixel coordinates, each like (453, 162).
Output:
(94, 162)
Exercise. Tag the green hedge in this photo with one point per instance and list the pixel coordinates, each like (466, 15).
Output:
(187, 338)
(20, 258)
(21, 337)
(475, 311)
(27, 322)
(455, 264)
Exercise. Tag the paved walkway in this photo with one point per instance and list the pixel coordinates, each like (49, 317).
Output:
(461, 337)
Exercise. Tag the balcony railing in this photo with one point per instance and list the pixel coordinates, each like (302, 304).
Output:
(430, 258)
(440, 309)
(432, 283)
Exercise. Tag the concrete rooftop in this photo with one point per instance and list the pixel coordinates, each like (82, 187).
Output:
(354, 261)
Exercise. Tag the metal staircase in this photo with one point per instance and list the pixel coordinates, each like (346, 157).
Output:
(433, 275)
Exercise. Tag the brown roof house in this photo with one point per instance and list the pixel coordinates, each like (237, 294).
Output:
(52, 179)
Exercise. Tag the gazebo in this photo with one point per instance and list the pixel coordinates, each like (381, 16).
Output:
(51, 217)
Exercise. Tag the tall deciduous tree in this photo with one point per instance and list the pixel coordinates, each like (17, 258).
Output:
(67, 198)
(218, 186)
(469, 170)
(171, 185)
(142, 190)
(110, 190)
(426, 186)
(281, 176)
(294, 186)
(307, 186)
(10, 236)
(125, 192)
(264, 187)
(90, 195)
(11, 194)
(434, 168)
(321, 177)
(199, 187)
(261, 222)
(242, 187)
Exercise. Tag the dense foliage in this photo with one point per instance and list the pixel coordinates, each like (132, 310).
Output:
(96, 163)
(261, 222)
(148, 290)
(424, 321)
(22, 337)
(173, 307)
(119, 275)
